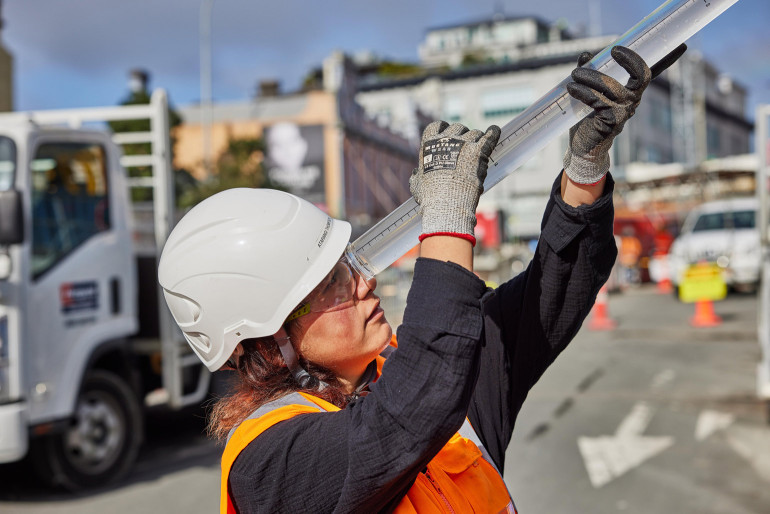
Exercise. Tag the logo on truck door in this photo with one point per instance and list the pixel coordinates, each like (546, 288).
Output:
(79, 296)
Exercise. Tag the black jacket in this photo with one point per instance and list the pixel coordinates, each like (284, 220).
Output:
(463, 351)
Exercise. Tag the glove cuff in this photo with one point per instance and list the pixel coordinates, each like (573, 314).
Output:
(456, 217)
(586, 171)
(467, 237)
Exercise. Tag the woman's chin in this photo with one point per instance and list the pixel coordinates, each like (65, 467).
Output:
(389, 331)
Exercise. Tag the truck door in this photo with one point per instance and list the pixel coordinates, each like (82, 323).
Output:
(79, 268)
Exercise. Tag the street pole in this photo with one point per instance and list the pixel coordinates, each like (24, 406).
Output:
(762, 149)
(205, 82)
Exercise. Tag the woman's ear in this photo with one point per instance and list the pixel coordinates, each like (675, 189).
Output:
(232, 362)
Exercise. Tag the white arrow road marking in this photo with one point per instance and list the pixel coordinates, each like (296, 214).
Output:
(710, 421)
(608, 457)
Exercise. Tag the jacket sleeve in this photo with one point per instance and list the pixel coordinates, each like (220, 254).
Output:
(530, 319)
(365, 457)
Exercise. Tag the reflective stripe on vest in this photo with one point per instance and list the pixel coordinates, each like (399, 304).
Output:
(462, 474)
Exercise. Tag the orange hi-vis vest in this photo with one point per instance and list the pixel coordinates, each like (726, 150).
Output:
(461, 477)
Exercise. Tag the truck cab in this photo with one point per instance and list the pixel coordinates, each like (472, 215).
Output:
(80, 354)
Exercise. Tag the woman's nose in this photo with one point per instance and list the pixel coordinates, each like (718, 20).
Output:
(364, 286)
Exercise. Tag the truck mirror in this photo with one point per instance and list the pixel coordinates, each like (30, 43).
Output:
(11, 218)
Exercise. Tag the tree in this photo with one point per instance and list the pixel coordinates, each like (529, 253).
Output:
(472, 59)
(399, 69)
(240, 165)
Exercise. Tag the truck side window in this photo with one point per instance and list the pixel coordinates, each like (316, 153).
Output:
(70, 201)
(7, 163)
(712, 221)
(744, 219)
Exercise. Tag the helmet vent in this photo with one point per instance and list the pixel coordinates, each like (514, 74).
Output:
(186, 311)
(199, 341)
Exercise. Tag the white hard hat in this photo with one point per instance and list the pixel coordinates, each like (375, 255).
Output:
(240, 261)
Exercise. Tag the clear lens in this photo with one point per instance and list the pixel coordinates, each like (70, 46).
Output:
(337, 288)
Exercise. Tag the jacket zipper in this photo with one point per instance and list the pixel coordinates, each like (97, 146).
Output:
(438, 490)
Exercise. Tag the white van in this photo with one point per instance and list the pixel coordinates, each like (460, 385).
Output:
(725, 232)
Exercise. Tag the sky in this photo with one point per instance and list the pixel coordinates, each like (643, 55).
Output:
(78, 53)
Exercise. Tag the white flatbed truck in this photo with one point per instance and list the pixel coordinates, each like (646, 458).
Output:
(85, 341)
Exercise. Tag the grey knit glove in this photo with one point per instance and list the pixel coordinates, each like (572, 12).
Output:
(587, 159)
(450, 178)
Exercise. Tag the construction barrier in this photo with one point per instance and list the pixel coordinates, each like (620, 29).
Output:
(703, 284)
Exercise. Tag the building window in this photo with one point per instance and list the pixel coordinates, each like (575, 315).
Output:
(660, 115)
(713, 141)
(505, 103)
(736, 145)
(454, 109)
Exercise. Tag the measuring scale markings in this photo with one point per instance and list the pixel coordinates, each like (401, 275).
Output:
(563, 112)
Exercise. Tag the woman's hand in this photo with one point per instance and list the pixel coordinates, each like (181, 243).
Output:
(587, 159)
(450, 177)
(447, 185)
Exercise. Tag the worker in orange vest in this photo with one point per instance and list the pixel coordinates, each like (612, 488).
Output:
(329, 413)
(629, 253)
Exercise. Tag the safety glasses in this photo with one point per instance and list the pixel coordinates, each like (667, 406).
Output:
(335, 290)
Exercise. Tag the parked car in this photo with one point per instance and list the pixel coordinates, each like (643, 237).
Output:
(725, 232)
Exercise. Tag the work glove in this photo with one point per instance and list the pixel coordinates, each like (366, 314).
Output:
(587, 159)
(450, 177)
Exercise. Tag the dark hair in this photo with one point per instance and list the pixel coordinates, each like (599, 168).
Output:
(262, 376)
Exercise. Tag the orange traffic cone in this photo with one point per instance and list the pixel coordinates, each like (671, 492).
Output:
(600, 319)
(704, 315)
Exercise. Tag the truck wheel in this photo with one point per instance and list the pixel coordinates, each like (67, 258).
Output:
(102, 441)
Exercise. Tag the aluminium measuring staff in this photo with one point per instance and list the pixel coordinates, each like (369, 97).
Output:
(328, 416)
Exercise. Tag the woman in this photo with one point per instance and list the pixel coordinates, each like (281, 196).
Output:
(328, 416)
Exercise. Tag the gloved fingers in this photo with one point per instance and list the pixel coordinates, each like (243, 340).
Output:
(489, 140)
(604, 84)
(668, 60)
(455, 129)
(434, 129)
(588, 95)
(472, 135)
(605, 112)
(584, 58)
(638, 70)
